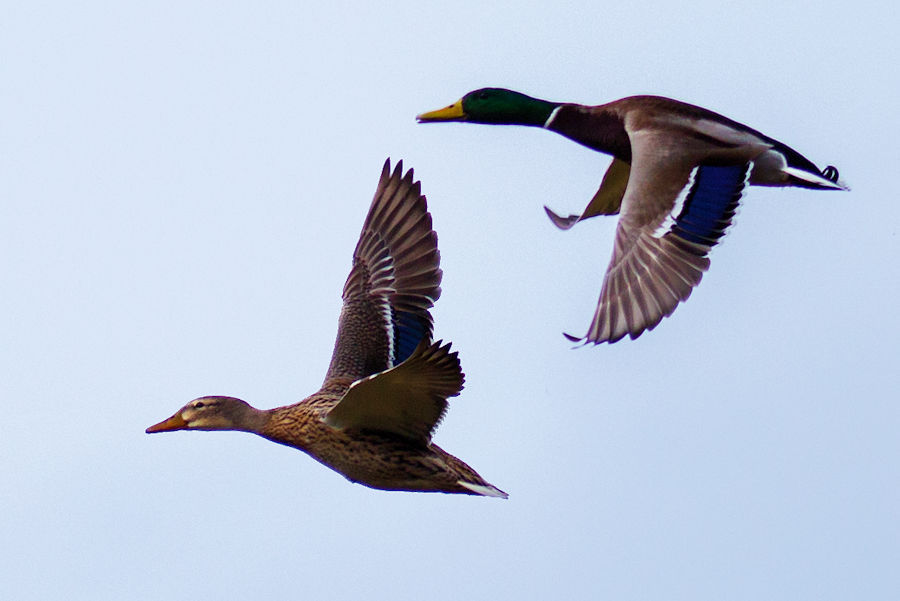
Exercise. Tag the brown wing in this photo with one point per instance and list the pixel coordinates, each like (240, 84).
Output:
(674, 211)
(394, 281)
(607, 200)
(408, 400)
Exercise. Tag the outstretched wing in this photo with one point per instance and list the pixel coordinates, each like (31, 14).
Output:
(408, 400)
(394, 281)
(673, 213)
(607, 200)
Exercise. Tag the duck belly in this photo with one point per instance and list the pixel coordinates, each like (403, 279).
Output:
(388, 464)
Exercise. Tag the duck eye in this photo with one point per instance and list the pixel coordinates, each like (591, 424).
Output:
(199, 405)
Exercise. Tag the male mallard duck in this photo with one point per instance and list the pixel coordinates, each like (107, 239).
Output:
(677, 176)
(387, 385)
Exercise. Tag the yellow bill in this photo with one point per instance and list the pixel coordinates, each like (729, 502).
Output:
(454, 112)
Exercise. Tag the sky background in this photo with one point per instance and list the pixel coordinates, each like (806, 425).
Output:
(181, 189)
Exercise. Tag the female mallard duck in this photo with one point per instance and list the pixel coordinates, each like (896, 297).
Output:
(677, 176)
(387, 385)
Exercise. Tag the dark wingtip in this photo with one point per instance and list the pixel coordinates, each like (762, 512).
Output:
(578, 341)
(563, 223)
(585, 340)
(386, 168)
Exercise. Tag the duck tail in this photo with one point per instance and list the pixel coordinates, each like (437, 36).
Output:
(827, 179)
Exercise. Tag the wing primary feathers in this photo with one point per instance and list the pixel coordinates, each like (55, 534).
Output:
(393, 283)
(654, 267)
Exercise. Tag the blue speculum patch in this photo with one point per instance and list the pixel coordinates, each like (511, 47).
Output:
(711, 203)
(409, 330)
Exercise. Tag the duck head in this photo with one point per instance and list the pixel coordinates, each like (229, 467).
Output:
(494, 106)
(209, 413)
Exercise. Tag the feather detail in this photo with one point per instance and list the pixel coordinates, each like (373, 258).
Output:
(653, 269)
(394, 281)
(408, 400)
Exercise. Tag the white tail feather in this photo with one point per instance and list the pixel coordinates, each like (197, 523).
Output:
(812, 178)
(487, 491)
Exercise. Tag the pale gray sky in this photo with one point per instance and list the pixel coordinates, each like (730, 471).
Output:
(182, 187)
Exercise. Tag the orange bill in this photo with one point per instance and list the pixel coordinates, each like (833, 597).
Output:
(173, 423)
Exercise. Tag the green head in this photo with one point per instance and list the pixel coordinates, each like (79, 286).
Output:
(496, 106)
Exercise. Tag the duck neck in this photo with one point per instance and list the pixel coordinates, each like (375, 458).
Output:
(291, 427)
(534, 112)
(251, 419)
(601, 130)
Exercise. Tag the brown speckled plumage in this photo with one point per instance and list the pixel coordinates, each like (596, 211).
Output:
(387, 385)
